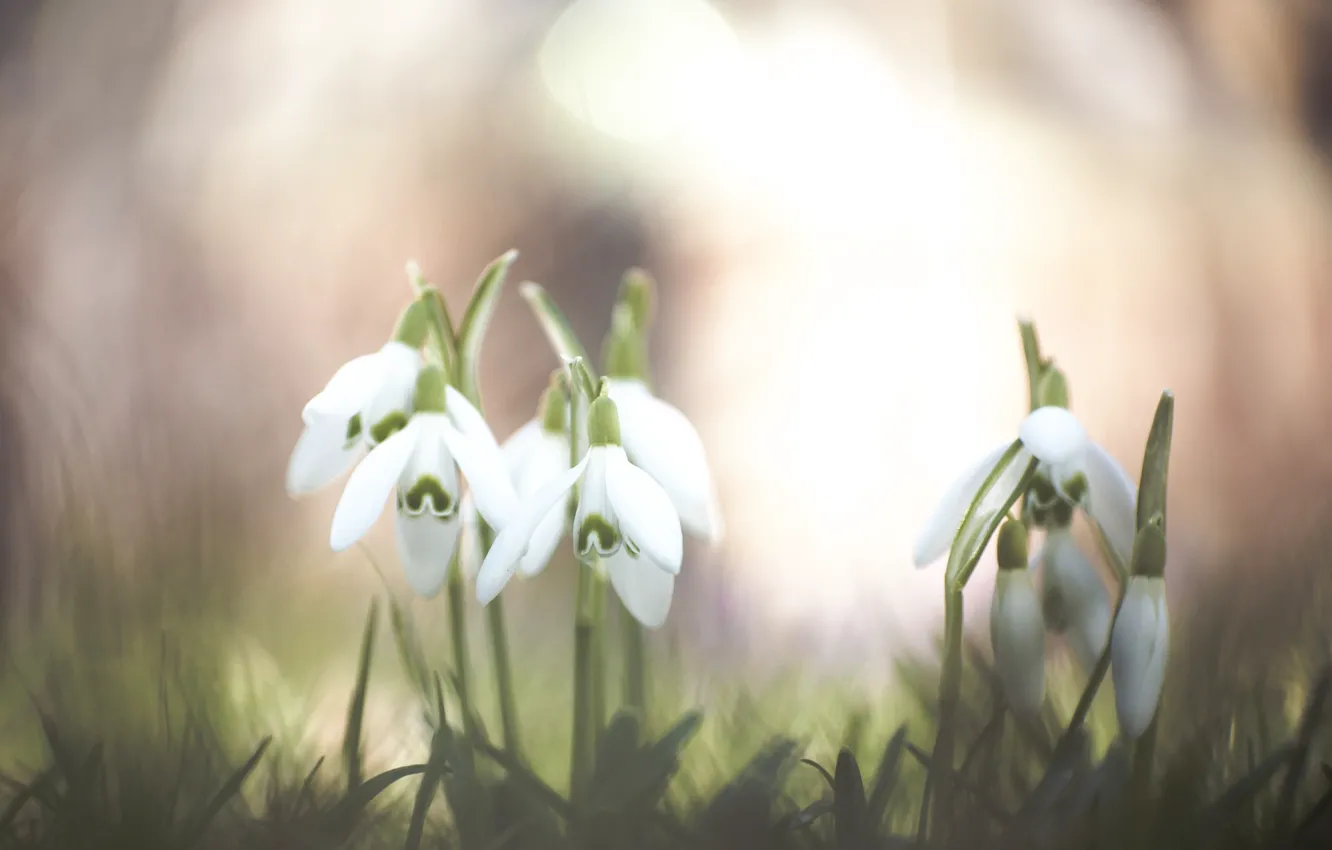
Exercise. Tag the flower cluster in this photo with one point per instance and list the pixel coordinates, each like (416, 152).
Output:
(410, 424)
(1057, 470)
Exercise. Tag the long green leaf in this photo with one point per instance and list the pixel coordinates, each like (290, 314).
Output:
(1006, 482)
(850, 810)
(341, 819)
(440, 745)
(885, 778)
(190, 835)
(351, 739)
(476, 320)
(552, 320)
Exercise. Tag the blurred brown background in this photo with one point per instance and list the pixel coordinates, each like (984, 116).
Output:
(206, 206)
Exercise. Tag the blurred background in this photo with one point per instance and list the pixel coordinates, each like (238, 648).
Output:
(206, 207)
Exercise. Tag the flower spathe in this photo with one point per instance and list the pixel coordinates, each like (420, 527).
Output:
(1138, 651)
(421, 461)
(624, 516)
(661, 441)
(1067, 458)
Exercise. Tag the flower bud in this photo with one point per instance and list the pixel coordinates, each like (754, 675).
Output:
(1012, 546)
(1017, 634)
(1139, 647)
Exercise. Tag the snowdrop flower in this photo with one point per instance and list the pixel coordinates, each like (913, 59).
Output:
(1078, 470)
(1141, 640)
(1075, 600)
(422, 461)
(364, 403)
(1017, 629)
(624, 516)
(537, 454)
(661, 441)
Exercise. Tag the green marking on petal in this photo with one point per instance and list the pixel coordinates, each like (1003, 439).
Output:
(1054, 608)
(631, 548)
(427, 487)
(1059, 515)
(1042, 492)
(354, 430)
(596, 531)
(388, 426)
(1076, 488)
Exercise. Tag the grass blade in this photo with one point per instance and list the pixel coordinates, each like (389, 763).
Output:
(191, 834)
(850, 810)
(351, 739)
(885, 778)
(1299, 760)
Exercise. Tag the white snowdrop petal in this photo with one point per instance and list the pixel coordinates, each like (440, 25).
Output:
(644, 589)
(547, 459)
(647, 517)
(510, 544)
(483, 466)
(545, 540)
(662, 442)
(369, 487)
(1112, 499)
(399, 365)
(351, 385)
(518, 447)
(942, 526)
(468, 419)
(1017, 634)
(425, 548)
(1086, 601)
(1053, 434)
(322, 454)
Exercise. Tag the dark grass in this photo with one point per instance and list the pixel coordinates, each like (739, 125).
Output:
(1252, 772)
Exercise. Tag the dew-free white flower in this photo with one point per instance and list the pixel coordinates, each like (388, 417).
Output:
(661, 441)
(1077, 602)
(422, 461)
(1057, 439)
(1138, 652)
(1017, 635)
(536, 454)
(366, 400)
(624, 516)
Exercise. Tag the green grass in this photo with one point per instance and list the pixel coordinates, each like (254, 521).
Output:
(120, 727)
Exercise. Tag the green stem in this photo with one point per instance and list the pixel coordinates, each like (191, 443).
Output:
(580, 761)
(635, 669)
(599, 591)
(458, 630)
(950, 687)
(499, 648)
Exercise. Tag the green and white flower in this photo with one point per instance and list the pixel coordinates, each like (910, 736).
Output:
(421, 461)
(537, 454)
(624, 516)
(661, 441)
(366, 401)
(1078, 471)
(1075, 600)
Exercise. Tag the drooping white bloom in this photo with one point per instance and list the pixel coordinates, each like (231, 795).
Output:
(624, 516)
(422, 461)
(1076, 601)
(536, 454)
(1068, 459)
(1138, 652)
(661, 441)
(365, 401)
(1017, 634)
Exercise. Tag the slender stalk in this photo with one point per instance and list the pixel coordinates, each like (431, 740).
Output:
(499, 648)
(950, 686)
(580, 761)
(635, 668)
(458, 629)
(599, 591)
